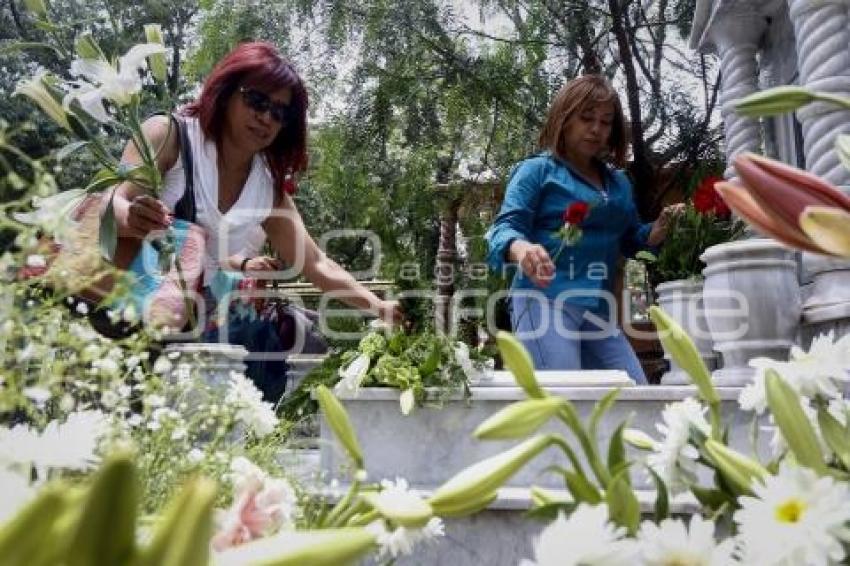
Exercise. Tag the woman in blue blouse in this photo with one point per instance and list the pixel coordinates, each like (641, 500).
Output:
(562, 305)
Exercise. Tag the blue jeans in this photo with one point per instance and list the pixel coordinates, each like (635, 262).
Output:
(565, 338)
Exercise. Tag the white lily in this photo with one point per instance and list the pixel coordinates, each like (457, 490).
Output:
(102, 80)
(353, 375)
(406, 401)
(52, 214)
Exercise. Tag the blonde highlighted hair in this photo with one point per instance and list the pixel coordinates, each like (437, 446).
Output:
(578, 94)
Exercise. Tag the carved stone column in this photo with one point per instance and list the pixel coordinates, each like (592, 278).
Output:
(737, 35)
(822, 38)
(736, 272)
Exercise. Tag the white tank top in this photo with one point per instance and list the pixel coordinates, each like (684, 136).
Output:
(237, 231)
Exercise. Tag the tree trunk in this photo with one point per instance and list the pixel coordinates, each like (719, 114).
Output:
(641, 169)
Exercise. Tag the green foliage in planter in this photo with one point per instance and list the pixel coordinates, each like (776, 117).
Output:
(690, 234)
(425, 362)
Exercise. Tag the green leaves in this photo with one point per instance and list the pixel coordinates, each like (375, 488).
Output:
(623, 506)
(108, 231)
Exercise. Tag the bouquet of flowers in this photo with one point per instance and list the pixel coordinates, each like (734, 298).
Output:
(101, 101)
(705, 222)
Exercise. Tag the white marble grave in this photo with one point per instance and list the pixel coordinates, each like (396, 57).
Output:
(433, 443)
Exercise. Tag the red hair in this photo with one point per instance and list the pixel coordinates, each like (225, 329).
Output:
(258, 65)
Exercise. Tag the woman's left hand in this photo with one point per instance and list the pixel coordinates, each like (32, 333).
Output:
(390, 312)
(662, 224)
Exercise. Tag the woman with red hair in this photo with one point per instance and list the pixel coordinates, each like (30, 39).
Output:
(243, 141)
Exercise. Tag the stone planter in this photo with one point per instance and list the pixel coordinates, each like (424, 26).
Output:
(682, 300)
(752, 304)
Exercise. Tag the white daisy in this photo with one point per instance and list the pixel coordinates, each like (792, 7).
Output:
(794, 518)
(402, 540)
(673, 543)
(586, 538)
(812, 373)
(244, 396)
(674, 458)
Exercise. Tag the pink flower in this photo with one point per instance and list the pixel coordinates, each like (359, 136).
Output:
(261, 507)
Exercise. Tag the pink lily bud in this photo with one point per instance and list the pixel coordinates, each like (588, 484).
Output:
(773, 197)
(786, 190)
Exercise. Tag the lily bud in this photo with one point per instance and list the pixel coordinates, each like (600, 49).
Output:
(639, 439)
(737, 469)
(23, 535)
(106, 531)
(408, 510)
(778, 100)
(37, 8)
(779, 195)
(739, 200)
(681, 348)
(517, 360)
(38, 90)
(519, 419)
(327, 547)
(795, 427)
(337, 419)
(828, 227)
(87, 48)
(159, 69)
(541, 496)
(466, 507)
(480, 481)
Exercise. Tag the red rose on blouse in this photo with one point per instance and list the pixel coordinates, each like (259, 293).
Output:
(576, 213)
(707, 199)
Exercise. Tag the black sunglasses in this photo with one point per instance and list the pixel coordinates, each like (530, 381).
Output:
(260, 102)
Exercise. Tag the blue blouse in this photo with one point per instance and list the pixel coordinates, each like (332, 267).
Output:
(539, 190)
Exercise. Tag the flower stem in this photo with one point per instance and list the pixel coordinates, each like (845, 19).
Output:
(570, 419)
(340, 507)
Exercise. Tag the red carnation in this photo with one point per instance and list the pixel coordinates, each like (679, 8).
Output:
(576, 213)
(707, 200)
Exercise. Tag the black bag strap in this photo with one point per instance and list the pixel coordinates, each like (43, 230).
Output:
(185, 207)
